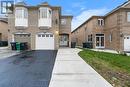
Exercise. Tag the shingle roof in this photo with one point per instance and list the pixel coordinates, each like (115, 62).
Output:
(117, 8)
(44, 3)
(21, 3)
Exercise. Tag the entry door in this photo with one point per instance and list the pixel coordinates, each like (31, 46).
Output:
(63, 40)
(100, 41)
(127, 43)
(45, 42)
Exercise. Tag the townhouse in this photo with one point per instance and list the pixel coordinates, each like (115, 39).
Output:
(42, 26)
(111, 31)
(3, 29)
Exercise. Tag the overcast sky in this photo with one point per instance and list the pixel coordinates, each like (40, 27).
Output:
(81, 9)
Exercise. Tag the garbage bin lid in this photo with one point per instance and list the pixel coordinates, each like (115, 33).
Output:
(18, 43)
(13, 42)
(23, 42)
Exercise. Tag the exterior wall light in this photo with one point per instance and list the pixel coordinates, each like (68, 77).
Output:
(121, 35)
(57, 32)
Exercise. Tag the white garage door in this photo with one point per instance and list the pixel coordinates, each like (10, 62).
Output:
(127, 43)
(44, 42)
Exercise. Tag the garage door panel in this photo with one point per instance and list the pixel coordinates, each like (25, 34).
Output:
(45, 42)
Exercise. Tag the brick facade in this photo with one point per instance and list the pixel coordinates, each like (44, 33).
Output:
(116, 26)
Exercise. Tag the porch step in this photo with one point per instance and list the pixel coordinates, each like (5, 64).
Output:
(128, 54)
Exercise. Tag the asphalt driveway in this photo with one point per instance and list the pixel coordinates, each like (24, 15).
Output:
(30, 69)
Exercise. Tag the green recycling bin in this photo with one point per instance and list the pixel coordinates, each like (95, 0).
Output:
(18, 46)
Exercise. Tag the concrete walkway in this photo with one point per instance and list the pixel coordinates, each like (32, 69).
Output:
(71, 71)
(5, 52)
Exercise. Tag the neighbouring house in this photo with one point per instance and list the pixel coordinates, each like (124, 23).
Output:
(42, 26)
(111, 31)
(3, 29)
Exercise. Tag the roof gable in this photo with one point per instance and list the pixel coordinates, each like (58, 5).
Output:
(126, 5)
(21, 4)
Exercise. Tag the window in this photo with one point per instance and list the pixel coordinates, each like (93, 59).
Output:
(43, 35)
(21, 13)
(63, 21)
(90, 38)
(47, 35)
(39, 35)
(28, 35)
(100, 22)
(45, 12)
(51, 35)
(128, 16)
(25, 14)
(6, 7)
(50, 13)
(110, 37)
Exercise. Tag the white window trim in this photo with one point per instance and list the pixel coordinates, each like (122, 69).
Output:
(104, 42)
(110, 37)
(45, 11)
(24, 12)
(45, 21)
(21, 18)
(128, 16)
(101, 23)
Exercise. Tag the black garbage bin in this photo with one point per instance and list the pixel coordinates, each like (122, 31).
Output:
(88, 45)
(23, 46)
(73, 44)
(84, 45)
(4, 43)
(13, 45)
(1, 44)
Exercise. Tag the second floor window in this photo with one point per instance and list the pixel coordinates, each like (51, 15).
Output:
(45, 13)
(63, 21)
(21, 13)
(128, 16)
(100, 22)
(18, 13)
(90, 38)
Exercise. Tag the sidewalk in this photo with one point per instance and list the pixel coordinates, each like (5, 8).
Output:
(5, 52)
(71, 71)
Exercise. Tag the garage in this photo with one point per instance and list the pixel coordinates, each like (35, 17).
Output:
(23, 37)
(127, 43)
(44, 41)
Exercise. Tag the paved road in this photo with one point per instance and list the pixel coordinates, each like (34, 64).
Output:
(30, 69)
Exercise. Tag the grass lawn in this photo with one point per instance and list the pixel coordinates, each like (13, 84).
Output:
(114, 68)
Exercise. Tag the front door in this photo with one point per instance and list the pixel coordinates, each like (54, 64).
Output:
(126, 43)
(100, 41)
(64, 40)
